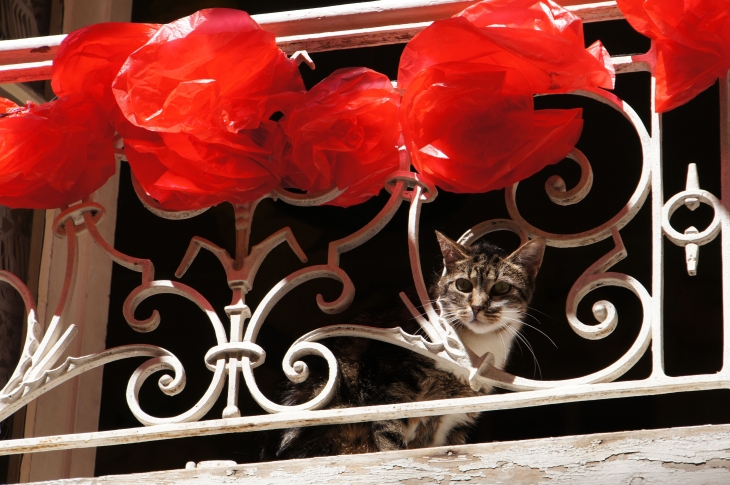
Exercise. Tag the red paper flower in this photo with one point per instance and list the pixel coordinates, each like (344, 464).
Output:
(343, 132)
(183, 173)
(690, 48)
(472, 128)
(467, 113)
(539, 38)
(89, 59)
(54, 154)
(213, 71)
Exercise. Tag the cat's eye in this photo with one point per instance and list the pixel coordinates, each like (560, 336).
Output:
(501, 288)
(464, 285)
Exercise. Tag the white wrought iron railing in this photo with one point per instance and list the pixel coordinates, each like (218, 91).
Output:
(41, 368)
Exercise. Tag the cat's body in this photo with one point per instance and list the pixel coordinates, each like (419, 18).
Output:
(483, 294)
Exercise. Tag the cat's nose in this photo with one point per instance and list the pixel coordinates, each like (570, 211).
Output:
(476, 309)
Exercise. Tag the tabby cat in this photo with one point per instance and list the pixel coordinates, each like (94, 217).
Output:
(483, 293)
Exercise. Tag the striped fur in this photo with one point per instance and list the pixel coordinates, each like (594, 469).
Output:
(373, 372)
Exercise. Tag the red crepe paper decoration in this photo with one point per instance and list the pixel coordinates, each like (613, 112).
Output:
(467, 113)
(539, 38)
(690, 48)
(183, 173)
(89, 59)
(213, 71)
(199, 95)
(343, 132)
(472, 128)
(54, 154)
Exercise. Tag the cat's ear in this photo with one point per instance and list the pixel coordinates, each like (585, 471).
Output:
(451, 250)
(529, 255)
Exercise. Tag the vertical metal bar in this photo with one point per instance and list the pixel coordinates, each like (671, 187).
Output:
(657, 234)
(414, 217)
(231, 410)
(725, 234)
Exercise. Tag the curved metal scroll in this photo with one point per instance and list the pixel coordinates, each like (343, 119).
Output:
(443, 344)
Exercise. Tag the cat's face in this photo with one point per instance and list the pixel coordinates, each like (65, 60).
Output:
(484, 289)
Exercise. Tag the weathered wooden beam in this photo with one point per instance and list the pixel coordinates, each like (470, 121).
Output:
(664, 456)
(315, 30)
(20, 93)
(75, 407)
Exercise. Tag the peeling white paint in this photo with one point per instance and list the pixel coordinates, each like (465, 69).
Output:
(680, 456)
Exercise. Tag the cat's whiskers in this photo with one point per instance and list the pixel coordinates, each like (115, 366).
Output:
(523, 339)
(458, 325)
(538, 311)
(504, 345)
(531, 316)
(534, 328)
(505, 326)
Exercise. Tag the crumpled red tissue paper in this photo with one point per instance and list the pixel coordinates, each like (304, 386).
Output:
(54, 154)
(467, 113)
(184, 173)
(214, 71)
(89, 59)
(690, 48)
(344, 132)
(201, 92)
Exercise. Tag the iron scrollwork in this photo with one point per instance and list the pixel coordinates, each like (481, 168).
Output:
(39, 368)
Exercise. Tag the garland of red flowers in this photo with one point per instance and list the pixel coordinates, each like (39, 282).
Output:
(193, 101)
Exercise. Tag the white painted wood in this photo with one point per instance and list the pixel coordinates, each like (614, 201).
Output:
(314, 30)
(80, 13)
(20, 93)
(34, 265)
(725, 194)
(73, 407)
(699, 455)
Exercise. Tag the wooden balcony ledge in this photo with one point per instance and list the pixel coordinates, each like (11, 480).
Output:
(663, 456)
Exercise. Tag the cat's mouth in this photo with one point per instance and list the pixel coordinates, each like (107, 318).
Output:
(483, 323)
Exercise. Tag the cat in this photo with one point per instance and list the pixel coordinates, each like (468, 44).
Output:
(483, 293)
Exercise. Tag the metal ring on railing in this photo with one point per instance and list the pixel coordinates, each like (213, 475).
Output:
(678, 200)
(76, 215)
(411, 179)
(255, 353)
